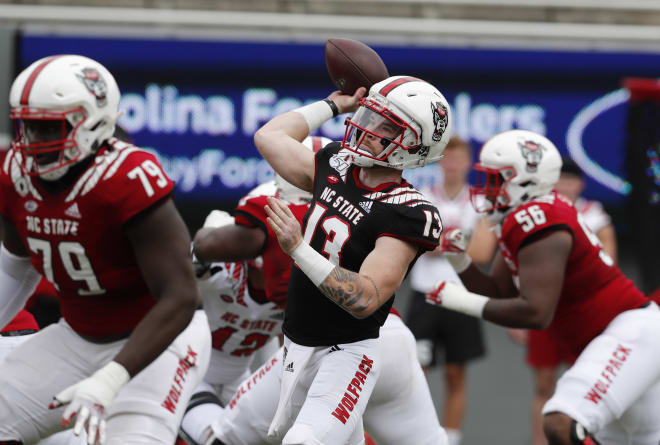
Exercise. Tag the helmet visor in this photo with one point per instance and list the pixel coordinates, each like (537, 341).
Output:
(42, 137)
(489, 193)
(376, 131)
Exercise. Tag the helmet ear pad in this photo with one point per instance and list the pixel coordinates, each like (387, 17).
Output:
(71, 88)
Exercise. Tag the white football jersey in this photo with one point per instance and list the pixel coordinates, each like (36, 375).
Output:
(593, 213)
(239, 325)
(454, 212)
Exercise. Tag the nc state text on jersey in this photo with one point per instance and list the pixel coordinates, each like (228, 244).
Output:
(263, 325)
(343, 206)
(52, 226)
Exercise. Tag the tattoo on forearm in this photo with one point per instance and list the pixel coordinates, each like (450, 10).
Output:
(346, 288)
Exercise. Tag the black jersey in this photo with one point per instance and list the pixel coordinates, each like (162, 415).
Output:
(343, 223)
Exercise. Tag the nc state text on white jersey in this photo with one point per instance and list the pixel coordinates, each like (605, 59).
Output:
(235, 319)
(52, 226)
(343, 206)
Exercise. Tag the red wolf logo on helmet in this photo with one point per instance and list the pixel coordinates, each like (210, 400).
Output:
(93, 81)
(439, 120)
(532, 152)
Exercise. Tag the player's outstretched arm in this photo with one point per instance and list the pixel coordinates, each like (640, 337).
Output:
(542, 265)
(360, 294)
(279, 140)
(497, 284)
(228, 243)
(162, 247)
(18, 278)
(541, 269)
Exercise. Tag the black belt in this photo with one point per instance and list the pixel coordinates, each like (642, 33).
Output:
(18, 332)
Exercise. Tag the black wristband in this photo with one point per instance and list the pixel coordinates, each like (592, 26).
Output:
(333, 107)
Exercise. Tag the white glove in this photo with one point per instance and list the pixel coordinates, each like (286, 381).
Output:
(455, 297)
(454, 245)
(89, 399)
(218, 218)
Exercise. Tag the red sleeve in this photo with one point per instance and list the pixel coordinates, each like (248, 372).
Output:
(135, 183)
(533, 221)
(250, 213)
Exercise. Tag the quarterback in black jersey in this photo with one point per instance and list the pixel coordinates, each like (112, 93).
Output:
(365, 228)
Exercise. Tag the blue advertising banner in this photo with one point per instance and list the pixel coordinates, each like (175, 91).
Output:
(197, 103)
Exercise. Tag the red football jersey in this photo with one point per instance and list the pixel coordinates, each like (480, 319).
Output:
(75, 237)
(594, 291)
(277, 264)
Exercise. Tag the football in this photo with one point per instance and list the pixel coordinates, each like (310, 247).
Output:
(352, 64)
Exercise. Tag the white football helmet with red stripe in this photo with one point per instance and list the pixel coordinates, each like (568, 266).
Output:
(64, 107)
(289, 192)
(408, 117)
(514, 167)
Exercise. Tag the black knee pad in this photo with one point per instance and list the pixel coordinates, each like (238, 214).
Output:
(580, 435)
(203, 398)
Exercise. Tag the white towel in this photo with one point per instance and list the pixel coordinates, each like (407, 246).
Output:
(294, 364)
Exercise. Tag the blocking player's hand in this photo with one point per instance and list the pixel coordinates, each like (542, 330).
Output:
(453, 244)
(284, 224)
(434, 296)
(444, 292)
(455, 297)
(453, 241)
(346, 103)
(89, 400)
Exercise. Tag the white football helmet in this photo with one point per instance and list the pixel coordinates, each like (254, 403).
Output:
(63, 107)
(408, 119)
(514, 167)
(289, 192)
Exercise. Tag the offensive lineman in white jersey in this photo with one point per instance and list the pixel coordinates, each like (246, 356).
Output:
(242, 321)
(244, 302)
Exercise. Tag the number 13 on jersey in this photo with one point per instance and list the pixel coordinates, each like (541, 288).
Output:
(430, 228)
